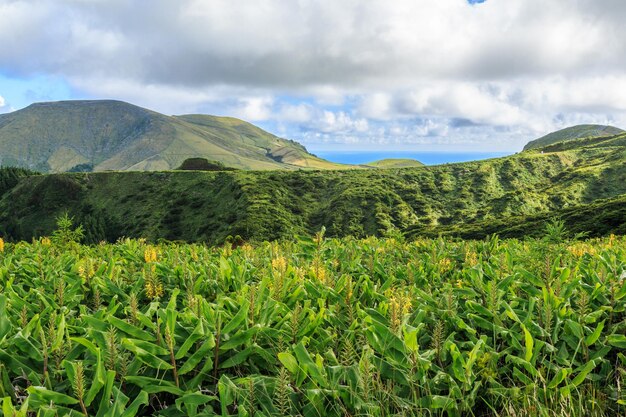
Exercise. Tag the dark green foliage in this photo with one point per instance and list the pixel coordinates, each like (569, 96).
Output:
(203, 164)
(9, 177)
(81, 168)
(513, 196)
(600, 218)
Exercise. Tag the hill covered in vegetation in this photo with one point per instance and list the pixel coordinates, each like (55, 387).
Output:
(104, 135)
(395, 163)
(574, 132)
(490, 195)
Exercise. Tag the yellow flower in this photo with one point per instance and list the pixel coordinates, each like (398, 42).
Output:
(279, 264)
(399, 307)
(471, 258)
(154, 288)
(579, 249)
(150, 254)
(611, 240)
(444, 265)
(1, 245)
(46, 241)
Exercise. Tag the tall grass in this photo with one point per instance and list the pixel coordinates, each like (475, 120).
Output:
(316, 327)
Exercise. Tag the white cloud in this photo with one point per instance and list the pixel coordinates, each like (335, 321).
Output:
(253, 108)
(364, 71)
(312, 44)
(331, 122)
(376, 106)
(299, 113)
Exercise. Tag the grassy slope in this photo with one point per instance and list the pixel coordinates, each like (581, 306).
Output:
(573, 132)
(395, 163)
(113, 135)
(599, 218)
(208, 206)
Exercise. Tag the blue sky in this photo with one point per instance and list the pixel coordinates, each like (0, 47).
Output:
(449, 75)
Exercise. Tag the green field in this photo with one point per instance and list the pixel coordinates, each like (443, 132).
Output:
(314, 327)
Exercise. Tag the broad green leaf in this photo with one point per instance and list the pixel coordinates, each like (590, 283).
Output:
(289, 362)
(237, 319)
(227, 391)
(5, 324)
(591, 339)
(239, 338)
(305, 361)
(133, 408)
(558, 378)
(529, 342)
(129, 329)
(575, 329)
(196, 335)
(144, 356)
(198, 355)
(617, 340)
(191, 401)
(583, 372)
(410, 340)
(47, 395)
(60, 334)
(154, 385)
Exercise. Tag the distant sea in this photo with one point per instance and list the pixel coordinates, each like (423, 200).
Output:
(427, 158)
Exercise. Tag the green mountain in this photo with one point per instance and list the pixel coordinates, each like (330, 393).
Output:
(515, 193)
(105, 135)
(395, 163)
(573, 132)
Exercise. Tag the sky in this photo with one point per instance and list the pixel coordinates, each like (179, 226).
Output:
(431, 75)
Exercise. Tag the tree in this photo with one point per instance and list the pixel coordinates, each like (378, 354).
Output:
(65, 234)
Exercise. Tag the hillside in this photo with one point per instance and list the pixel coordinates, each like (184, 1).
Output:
(573, 132)
(395, 163)
(105, 135)
(209, 206)
(600, 218)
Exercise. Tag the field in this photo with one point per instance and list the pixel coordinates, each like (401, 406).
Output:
(314, 327)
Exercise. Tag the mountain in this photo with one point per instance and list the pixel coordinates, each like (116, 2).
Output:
(573, 132)
(103, 135)
(395, 163)
(517, 192)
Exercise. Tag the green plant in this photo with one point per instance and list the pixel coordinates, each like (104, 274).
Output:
(555, 231)
(391, 327)
(65, 233)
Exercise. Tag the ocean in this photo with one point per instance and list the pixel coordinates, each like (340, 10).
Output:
(427, 158)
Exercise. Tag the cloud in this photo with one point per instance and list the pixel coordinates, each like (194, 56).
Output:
(292, 45)
(496, 71)
(3, 105)
(253, 108)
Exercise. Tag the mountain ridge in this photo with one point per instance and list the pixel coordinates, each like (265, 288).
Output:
(115, 135)
(572, 133)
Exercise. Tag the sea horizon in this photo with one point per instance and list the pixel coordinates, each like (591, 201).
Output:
(425, 157)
